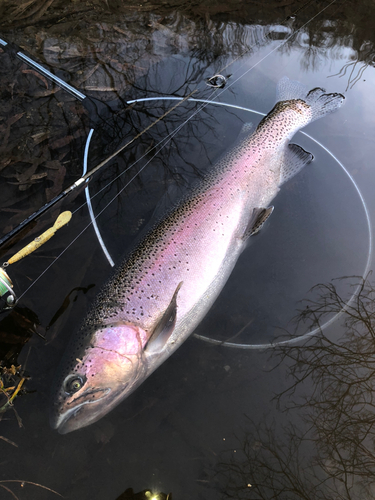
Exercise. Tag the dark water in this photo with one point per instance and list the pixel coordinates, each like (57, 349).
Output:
(211, 422)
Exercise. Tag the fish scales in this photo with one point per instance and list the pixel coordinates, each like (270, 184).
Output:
(215, 216)
(161, 291)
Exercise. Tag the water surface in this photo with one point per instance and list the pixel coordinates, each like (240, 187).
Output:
(210, 422)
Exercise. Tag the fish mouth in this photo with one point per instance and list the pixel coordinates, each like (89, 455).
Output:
(85, 413)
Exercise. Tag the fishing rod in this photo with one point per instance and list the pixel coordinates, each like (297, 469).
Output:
(8, 297)
(217, 82)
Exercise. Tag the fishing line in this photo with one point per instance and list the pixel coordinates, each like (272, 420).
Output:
(357, 289)
(268, 54)
(160, 143)
(231, 344)
(166, 140)
(367, 215)
(87, 176)
(76, 237)
(14, 49)
(224, 87)
(206, 101)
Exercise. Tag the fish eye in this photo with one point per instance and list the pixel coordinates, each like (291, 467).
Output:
(74, 384)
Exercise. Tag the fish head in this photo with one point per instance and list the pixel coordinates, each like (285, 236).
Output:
(95, 375)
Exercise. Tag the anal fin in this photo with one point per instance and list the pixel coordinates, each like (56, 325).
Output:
(294, 160)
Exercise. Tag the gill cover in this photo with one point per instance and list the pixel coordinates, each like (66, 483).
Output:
(89, 386)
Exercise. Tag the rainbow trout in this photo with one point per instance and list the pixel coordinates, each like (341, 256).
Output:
(160, 292)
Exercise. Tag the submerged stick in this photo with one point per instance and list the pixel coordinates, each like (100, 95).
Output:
(22, 483)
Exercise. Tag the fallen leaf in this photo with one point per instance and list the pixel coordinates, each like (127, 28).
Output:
(57, 176)
(38, 75)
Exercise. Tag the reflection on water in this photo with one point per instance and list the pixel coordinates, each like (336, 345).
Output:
(330, 454)
(320, 447)
(115, 59)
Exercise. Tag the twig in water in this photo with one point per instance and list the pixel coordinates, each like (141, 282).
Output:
(23, 483)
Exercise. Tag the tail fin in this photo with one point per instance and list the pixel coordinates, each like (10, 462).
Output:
(321, 104)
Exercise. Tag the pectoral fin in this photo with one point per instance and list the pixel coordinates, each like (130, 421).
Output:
(165, 326)
(257, 219)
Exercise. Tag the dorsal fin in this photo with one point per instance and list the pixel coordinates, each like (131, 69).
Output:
(246, 130)
(290, 89)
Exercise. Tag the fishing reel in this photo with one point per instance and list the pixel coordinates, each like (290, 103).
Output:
(8, 297)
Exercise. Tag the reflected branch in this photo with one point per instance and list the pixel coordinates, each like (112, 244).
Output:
(331, 395)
